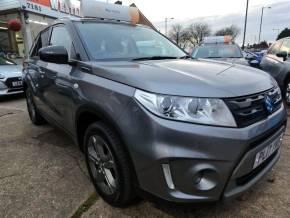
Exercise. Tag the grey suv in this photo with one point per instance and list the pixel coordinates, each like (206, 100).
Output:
(148, 118)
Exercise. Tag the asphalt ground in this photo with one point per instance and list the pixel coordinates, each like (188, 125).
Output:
(43, 174)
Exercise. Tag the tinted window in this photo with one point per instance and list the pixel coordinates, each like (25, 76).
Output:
(36, 46)
(60, 37)
(217, 51)
(275, 48)
(41, 41)
(118, 41)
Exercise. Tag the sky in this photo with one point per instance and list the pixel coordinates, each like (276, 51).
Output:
(219, 13)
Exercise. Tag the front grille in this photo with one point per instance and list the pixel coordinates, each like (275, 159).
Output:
(250, 109)
(9, 82)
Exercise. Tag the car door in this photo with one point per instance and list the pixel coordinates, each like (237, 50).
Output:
(58, 92)
(271, 63)
(35, 68)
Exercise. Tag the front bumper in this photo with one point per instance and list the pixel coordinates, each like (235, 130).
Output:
(7, 89)
(205, 162)
(6, 92)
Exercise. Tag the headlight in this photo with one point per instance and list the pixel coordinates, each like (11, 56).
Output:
(1, 76)
(196, 110)
(2, 86)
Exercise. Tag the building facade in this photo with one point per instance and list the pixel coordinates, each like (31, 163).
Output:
(34, 16)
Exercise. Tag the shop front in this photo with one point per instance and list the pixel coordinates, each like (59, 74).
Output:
(33, 16)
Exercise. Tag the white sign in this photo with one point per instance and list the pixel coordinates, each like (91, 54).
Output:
(96, 9)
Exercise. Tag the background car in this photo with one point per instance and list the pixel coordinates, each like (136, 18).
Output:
(277, 63)
(220, 48)
(10, 77)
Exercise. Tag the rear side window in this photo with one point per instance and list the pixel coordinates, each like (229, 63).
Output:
(275, 48)
(60, 37)
(41, 41)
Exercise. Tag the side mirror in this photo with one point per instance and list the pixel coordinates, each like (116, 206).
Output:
(282, 54)
(54, 54)
(254, 63)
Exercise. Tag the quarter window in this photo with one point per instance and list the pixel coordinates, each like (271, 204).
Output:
(60, 37)
(41, 41)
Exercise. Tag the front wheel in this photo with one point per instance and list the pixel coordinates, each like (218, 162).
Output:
(108, 165)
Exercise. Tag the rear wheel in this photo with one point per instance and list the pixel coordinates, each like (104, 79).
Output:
(35, 117)
(108, 165)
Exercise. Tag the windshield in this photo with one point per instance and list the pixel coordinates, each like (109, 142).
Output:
(119, 41)
(4, 61)
(217, 51)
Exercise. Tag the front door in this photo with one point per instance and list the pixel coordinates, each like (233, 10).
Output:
(59, 89)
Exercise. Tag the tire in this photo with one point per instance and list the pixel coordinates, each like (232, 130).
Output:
(34, 115)
(108, 165)
(287, 92)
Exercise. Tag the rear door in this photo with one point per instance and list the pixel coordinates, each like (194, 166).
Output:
(59, 87)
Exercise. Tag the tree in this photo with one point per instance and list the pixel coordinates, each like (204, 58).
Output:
(284, 33)
(232, 31)
(179, 35)
(196, 32)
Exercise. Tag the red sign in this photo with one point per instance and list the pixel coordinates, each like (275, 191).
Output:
(41, 2)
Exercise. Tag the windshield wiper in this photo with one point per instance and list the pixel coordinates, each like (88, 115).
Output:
(154, 58)
(185, 57)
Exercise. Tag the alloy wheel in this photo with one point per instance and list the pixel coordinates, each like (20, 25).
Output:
(102, 165)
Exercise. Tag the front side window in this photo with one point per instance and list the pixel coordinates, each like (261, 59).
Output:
(60, 37)
(217, 51)
(275, 48)
(286, 46)
(119, 41)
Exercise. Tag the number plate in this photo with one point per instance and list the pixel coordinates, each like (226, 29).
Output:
(17, 83)
(263, 155)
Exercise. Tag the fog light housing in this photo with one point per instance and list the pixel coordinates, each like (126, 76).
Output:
(205, 180)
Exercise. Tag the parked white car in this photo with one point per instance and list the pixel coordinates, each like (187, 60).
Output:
(10, 77)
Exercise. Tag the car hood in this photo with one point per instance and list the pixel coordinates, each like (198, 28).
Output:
(187, 77)
(11, 70)
(241, 61)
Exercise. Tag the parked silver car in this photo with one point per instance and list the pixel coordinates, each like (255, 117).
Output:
(10, 77)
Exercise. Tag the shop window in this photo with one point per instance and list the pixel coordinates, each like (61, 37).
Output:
(4, 41)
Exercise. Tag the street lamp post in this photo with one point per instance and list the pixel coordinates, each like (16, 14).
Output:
(261, 22)
(166, 23)
(245, 27)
